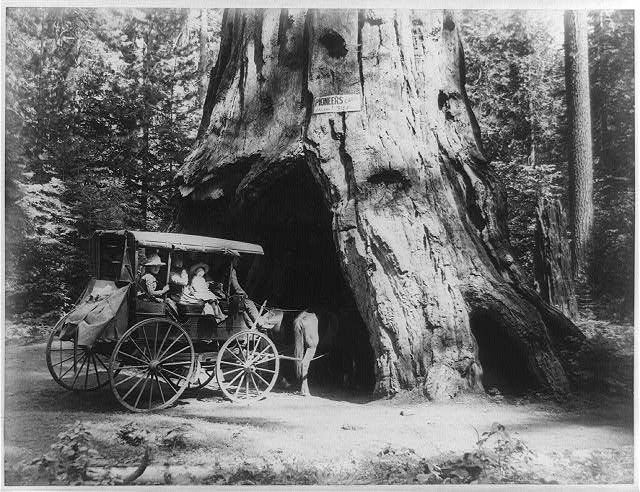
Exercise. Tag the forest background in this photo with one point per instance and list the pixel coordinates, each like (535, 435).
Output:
(103, 105)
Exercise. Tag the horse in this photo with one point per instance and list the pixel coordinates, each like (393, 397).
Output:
(313, 330)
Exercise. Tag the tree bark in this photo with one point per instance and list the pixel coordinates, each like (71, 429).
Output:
(417, 218)
(145, 123)
(202, 62)
(580, 151)
(552, 259)
(601, 98)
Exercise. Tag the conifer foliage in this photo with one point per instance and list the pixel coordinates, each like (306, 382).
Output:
(102, 106)
(516, 83)
(101, 109)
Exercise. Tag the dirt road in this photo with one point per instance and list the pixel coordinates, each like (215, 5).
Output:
(579, 442)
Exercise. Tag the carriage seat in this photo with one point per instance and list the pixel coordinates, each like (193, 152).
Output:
(149, 307)
(190, 309)
(186, 309)
(182, 311)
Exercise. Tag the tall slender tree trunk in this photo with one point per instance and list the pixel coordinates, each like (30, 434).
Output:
(203, 60)
(602, 94)
(417, 219)
(580, 151)
(145, 123)
(40, 104)
(532, 132)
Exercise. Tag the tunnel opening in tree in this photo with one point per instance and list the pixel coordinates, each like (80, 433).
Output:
(503, 362)
(301, 270)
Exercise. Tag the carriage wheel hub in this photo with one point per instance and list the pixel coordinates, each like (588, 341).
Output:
(153, 365)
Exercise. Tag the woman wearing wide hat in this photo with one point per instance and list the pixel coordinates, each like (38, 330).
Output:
(149, 281)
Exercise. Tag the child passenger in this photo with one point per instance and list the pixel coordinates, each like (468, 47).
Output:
(200, 290)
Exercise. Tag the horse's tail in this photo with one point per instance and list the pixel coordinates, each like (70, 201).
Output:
(298, 350)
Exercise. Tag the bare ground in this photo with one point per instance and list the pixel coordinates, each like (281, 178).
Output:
(328, 439)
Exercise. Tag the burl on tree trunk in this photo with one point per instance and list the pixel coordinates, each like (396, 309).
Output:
(418, 219)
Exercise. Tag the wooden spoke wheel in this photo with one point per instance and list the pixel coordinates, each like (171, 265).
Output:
(203, 374)
(247, 366)
(75, 367)
(151, 365)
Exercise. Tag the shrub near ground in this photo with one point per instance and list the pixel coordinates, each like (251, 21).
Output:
(604, 364)
(497, 457)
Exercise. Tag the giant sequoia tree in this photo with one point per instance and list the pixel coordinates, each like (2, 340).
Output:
(415, 217)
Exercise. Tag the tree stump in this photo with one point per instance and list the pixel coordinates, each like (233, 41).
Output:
(552, 258)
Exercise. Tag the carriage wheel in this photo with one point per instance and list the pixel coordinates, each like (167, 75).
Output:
(75, 367)
(151, 365)
(203, 374)
(247, 366)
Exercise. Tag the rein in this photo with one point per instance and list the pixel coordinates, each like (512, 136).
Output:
(299, 310)
(268, 308)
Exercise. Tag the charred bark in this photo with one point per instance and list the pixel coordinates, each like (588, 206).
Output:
(552, 259)
(417, 217)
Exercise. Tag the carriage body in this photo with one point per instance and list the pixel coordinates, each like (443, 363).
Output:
(139, 345)
(118, 256)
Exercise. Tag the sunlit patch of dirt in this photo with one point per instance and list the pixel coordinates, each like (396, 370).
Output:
(328, 439)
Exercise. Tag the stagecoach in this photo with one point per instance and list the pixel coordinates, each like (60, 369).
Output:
(150, 353)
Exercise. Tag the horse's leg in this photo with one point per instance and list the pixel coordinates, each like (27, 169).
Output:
(311, 335)
(306, 360)
(298, 347)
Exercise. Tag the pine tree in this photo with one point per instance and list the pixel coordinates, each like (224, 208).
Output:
(580, 142)
(102, 108)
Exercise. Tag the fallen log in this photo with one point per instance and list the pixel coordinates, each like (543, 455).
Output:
(120, 475)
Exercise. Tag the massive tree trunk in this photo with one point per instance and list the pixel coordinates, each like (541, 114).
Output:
(417, 221)
(580, 152)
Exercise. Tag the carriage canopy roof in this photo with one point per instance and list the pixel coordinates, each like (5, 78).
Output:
(188, 242)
